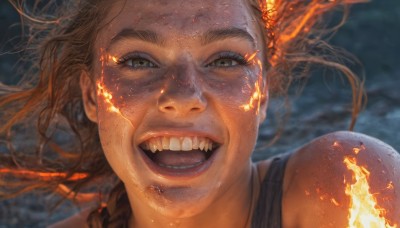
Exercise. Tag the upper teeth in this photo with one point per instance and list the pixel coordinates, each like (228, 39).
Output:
(177, 143)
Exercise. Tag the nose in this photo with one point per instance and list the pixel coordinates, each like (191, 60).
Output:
(182, 94)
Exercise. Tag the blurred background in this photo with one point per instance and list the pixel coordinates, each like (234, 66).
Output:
(372, 34)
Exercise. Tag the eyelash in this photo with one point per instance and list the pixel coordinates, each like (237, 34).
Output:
(135, 57)
(241, 61)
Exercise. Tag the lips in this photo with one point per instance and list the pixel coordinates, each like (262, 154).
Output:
(179, 154)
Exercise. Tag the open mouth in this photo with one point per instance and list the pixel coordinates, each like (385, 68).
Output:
(179, 154)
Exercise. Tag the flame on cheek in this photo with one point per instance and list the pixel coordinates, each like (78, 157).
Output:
(107, 97)
(258, 94)
(102, 91)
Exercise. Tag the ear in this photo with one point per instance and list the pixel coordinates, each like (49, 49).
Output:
(88, 96)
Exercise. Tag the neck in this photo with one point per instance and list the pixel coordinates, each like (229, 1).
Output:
(233, 208)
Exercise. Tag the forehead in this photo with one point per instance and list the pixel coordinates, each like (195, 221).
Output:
(179, 19)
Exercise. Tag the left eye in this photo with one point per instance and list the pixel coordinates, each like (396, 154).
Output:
(226, 60)
(224, 63)
(139, 63)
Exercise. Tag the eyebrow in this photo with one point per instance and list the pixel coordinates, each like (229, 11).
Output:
(143, 35)
(221, 34)
(209, 37)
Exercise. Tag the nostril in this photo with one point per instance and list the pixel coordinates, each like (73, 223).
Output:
(169, 108)
(195, 109)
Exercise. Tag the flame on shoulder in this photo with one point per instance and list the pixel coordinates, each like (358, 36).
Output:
(363, 209)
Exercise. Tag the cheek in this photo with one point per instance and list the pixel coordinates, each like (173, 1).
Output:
(239, 100)
(130, 91)
(116, 139)
(235, 92)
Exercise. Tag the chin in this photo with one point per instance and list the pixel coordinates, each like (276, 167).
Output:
(178, 202)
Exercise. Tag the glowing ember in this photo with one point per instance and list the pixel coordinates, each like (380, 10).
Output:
(335, 202)
(390, 185)
(42, 175)
(364, 210)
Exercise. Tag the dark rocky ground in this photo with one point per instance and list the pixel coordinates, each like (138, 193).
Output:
(372, 33)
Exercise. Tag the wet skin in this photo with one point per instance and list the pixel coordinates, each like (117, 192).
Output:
(185, 75)
(180, 85)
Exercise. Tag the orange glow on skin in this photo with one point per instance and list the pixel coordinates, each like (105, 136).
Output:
(258, 94)
(107, 97)
(102, 91)
(45, 176)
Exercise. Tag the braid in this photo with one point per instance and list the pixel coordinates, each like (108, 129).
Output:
(115, 214)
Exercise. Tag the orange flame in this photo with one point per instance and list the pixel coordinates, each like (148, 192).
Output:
(268, 8)
(364, 210)
(45, 176)
(101, 88)
(255, 99)
(107, 97)
(270, 4)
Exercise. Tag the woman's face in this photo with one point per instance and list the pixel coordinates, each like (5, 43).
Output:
(178, 99)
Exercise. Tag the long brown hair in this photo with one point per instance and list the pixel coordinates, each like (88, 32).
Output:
(60, 46)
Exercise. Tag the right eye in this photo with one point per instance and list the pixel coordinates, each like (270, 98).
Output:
(136, 62)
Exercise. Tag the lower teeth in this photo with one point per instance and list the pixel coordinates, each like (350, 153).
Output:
(181, 166)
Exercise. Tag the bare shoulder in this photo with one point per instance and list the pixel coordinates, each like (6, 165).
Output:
(318, 174)
(77, 221)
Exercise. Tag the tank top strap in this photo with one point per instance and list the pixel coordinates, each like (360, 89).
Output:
(268, 212)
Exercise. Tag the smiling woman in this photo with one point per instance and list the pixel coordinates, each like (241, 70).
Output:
(166, 97)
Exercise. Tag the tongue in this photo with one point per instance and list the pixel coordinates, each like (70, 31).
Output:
(179, 158)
